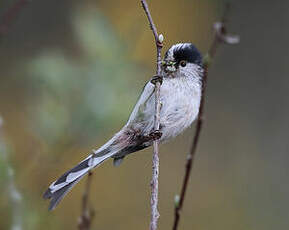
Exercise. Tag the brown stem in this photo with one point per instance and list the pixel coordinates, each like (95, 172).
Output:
(155, 167)
(87, 214)
(220, 37)
(10, 15)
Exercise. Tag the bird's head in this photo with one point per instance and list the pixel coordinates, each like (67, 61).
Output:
(182, 59)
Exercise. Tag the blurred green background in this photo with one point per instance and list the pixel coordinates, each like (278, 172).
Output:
(70, 73)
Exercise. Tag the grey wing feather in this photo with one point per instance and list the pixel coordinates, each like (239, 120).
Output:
(139, 108)
(64, 184)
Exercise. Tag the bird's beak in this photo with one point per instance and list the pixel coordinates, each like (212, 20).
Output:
(169, 66)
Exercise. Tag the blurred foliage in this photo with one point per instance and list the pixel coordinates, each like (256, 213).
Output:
(12, 201)
(82, 96)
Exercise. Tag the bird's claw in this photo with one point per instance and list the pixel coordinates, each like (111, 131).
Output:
(156, 79)
(160, 44)
(155, 135)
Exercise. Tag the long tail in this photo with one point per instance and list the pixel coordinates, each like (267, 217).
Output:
(58, 189)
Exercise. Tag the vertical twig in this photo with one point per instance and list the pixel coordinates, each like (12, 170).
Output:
(10, 15)
(87, 214)
(220, 37)
(155, 167)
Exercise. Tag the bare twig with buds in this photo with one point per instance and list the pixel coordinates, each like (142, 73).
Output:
(220, 37)
(157, 80)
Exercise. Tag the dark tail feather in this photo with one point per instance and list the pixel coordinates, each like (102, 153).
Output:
(57, 196)
(58, 189)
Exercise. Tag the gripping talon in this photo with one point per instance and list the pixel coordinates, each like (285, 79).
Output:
(160, 44)
(155, 135)
(156, 79)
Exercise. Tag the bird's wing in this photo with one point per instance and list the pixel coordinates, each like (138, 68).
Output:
(122, 142)
(143, 106)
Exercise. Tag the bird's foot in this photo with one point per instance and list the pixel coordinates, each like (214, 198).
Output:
(155, 135)
(157, 78)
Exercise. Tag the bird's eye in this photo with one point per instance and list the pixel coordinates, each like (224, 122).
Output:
(183, 63)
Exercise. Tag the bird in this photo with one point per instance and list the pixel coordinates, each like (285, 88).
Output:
(180, 95)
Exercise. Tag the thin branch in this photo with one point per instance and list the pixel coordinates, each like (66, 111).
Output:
(87, 214)
(220, 37)
(10, 15)
(157, 81)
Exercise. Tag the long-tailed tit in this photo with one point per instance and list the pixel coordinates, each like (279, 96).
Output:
(180, 96)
